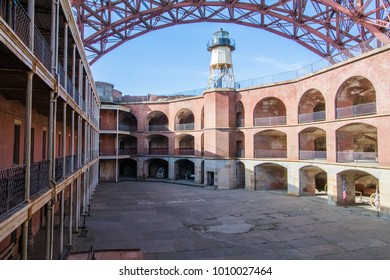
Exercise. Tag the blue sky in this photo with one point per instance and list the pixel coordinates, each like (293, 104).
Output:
(176, 59)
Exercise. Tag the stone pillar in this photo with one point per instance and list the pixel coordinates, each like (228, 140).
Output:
(220, 128)
(171, 170)
(332, 187)
(293, 183)
(347, 185)
(140, 169)
(198, 172)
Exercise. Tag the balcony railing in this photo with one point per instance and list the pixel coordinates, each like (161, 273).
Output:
(185, 151)
(158, 127)
(158, 151)
(184, 126)
(39, 179)
(68, 165)
(270, 121)
(240, 123)
(12, 191)
(312, 117)
(127, 151)
(356, 110)
(271, 153)
(126, 127)
(76, 165)
(312, 155)
(42, 49)
(59, 167)
(19, 21)
(12, 180)
(107, 126)
(108, 152)
(240, 153)
(357, 157)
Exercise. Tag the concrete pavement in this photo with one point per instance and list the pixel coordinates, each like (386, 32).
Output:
(172, 221)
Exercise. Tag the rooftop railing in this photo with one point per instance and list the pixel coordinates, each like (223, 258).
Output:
(314, 67)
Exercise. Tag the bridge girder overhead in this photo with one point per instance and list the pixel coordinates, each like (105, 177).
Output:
(322, 26)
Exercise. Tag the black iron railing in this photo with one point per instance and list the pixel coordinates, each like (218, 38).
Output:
(39, 178)
(12, 191)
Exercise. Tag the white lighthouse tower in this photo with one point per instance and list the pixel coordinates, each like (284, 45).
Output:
(221, 67)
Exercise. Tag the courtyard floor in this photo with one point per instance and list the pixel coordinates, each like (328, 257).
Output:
(171, 221)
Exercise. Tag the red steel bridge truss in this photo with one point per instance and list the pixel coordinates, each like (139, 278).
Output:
(322, 26)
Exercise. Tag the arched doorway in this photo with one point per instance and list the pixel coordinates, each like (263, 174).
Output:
(270, 176)
(355, 97)
(127, 168)
(269, 111)
(184, 170)
(356, 187)
(157, 168)
(240, 175)
(312, 180)
(270, 144)
(357, 142)
(311, 107)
